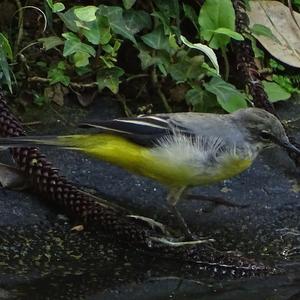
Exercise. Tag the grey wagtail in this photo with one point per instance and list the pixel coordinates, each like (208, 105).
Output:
(180, 150)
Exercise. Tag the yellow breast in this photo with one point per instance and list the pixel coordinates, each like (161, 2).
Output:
(227, 169)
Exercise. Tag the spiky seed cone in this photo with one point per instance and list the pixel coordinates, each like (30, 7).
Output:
(245, 63)
(45, 179)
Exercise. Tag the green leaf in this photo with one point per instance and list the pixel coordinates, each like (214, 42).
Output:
(275, 65)
(286, 83)
(5, 68)
(116, 21)
(137, 20)
(108, 48)
(216, 14)
(92, 33)
(228, 97)
(39, 100)
(157, 39)
(173, 42)
(50, 3)
(169, 8)
(128, 3)
(86, 13)
(56, 74)
(146, 59)
(81, 59)
(296, 3)
(178, 72)
(206, 50)
(73, 45)
(163, 20)
(116, 47)
(61, 65)
(71, 37)
(82, 25)
(260, 29)
(187, 68)
(83, 70)
(233, 34)
(275, 92)
(162, 69)
(4, 43)
(104, 30)
(58, 7)
(51, 42)
(109, 78)
(55, 7)
(190, 13)
(69, 19)
(209, 70)
(194, 97)
(107, 61)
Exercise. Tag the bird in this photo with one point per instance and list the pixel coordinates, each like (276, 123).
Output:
(179, 150)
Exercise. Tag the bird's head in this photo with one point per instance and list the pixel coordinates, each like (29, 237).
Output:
(263, 128)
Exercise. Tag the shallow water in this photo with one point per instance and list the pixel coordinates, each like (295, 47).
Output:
(52, 262)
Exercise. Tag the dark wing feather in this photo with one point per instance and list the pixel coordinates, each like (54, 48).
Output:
(144, 130)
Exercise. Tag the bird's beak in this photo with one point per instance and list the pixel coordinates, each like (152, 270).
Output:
(290, 147)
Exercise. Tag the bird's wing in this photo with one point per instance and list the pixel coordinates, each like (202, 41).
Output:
(143, 130)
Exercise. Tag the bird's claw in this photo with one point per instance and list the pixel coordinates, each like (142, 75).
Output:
(178, 243)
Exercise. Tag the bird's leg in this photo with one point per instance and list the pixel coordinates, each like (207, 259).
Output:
(173, 198)
(215, 200)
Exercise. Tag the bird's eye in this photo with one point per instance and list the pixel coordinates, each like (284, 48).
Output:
(265, 135)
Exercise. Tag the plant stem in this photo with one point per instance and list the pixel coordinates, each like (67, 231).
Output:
(164, 100)
(136, 76)
(159, 91)
(26, 47)
(20, 27)
(127, 110)
(227, 67)
(78, 85)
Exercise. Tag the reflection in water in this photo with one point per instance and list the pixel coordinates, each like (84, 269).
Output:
(39, 262)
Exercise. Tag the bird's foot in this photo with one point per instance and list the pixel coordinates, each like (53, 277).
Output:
(189, 238)
(182, 242)
(155, 225)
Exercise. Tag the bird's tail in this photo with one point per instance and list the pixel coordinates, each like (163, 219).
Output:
(30, 141)
(104, 146)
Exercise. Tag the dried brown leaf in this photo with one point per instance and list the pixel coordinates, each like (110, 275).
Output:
(276, 16)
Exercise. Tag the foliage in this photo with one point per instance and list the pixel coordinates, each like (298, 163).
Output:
(260, 29)
(86, 44)
(296, 3)
(278, 85)
(217, 23)
(56, 74)
(228, 97)
(56, 7)
(206, 50)
(5, 55)
(275, 92)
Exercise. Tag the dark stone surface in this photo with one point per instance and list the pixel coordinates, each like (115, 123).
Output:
(41, 256)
